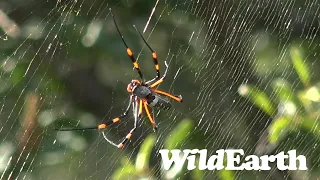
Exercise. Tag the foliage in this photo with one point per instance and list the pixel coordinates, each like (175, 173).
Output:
(291, 110)
(68, 56)
(174, 140)
(142, 168)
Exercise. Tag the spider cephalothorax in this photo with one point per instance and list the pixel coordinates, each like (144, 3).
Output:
(131, 86)
(143, 94)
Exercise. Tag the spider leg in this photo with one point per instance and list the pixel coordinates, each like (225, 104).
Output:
(137, 117)
(98, 127)
(175, 97)
(129, 51)
(154, 54)
(104, 125)
(159, 81)
(151, 118)
(140, 107)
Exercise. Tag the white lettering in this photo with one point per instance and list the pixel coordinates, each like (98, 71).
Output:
(216, 161)
(231, 159)
(175, 157)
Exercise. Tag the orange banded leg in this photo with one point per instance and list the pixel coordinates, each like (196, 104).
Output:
(103, 125)
(134, 62)
(129, 51)
(140, 107)
(150, 116)
(159, 81)
(154, 54)
(175, 97)
(128, 137)
(106, 124)
(137, 116)
(99, 127)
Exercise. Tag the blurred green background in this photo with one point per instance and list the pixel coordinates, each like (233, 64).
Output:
(247, 70)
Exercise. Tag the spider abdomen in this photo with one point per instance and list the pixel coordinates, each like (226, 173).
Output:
(158, 102)
(153, 99)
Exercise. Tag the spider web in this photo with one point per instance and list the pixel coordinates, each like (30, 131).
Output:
(63, 64)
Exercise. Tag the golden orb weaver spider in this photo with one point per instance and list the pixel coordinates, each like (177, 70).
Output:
(143, 95)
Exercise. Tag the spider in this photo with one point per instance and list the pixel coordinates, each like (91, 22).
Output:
(143, 95)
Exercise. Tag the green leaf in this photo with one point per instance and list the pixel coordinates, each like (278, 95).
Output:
(125, 171)
(226, 174)
(143, 157)
(300, 65)
(196, 173)
(178, 134)
(257, 97)
(278, 129)
(310, 125)
(283, 90)
(309, 98)
(313, 94)
(17, 73)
